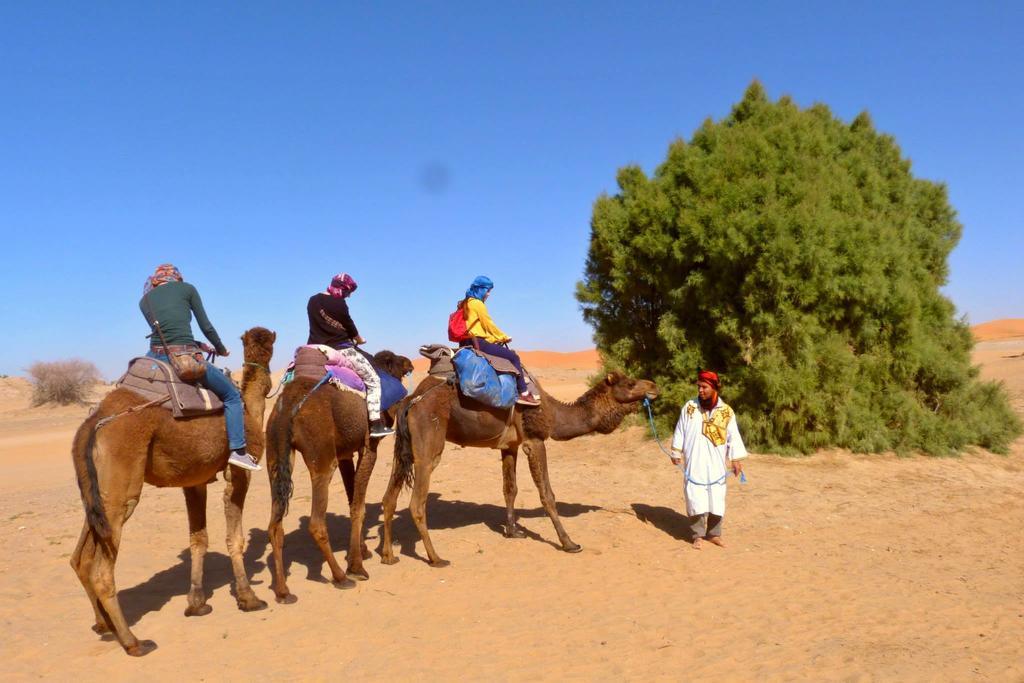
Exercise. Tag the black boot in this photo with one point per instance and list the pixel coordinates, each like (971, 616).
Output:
(379, 429)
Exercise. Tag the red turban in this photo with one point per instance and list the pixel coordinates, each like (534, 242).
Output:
(708, 376)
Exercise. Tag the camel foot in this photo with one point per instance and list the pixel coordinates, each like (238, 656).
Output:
(358, 573)
(389, 560)
(198, 610)
(571, 547)
(515, 532)
(439, 563)
(100, 629)
(344, 585)
(286, 599)
(141, 648)
(251, 603)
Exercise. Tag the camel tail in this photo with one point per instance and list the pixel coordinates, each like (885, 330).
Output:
(403, 467)
(282, 487)
(89, 486)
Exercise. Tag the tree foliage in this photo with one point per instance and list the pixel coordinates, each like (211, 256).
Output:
(799, 257)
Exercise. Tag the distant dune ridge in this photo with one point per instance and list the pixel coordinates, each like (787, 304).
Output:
(1007, 328)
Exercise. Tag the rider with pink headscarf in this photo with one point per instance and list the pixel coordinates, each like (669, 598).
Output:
(330, 324)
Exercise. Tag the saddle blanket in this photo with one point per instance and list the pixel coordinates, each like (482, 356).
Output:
(310, 363)
(441, 355)
(153, 379)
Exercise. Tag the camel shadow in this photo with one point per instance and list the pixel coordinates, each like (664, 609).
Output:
(300, 547)
(666, 519)
(455, 514)
(152, 594)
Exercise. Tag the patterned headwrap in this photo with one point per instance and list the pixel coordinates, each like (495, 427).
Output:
(708, 376)
(342, 285)
(481, 285)
(164, 273)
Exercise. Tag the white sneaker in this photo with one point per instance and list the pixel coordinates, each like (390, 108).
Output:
(245, 461)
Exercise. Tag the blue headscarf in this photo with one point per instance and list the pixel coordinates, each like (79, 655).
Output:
(481, 285)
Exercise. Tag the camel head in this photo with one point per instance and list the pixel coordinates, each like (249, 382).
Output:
(625, 389)
(258, 345)
(393, 364)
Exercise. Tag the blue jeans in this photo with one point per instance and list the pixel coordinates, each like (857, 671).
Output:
(217, 382)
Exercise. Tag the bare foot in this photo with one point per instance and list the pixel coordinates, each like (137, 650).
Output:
(717, 540)
(697, 543)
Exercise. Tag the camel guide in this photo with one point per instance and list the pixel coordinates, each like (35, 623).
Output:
(168, 303)
(708, 437)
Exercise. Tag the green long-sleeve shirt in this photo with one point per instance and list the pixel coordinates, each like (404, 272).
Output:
(172, 305)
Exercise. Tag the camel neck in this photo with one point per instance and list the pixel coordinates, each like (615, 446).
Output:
(255, 387)
(594, 411)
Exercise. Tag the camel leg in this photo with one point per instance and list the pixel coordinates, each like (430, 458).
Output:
(348, 475)
(387, 553)
(508, 476)
(122, 493)
(418, 508)
(537, 455)
(276, 530)
(81, 562)
(236, 486)
(318, 525)
(198, 541)
(357, 550)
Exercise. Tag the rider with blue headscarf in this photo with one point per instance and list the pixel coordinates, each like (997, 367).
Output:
(488, 336)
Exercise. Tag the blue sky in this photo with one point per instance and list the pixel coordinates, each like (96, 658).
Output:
(263, 147)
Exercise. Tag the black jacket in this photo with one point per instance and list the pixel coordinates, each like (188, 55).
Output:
(329, 321)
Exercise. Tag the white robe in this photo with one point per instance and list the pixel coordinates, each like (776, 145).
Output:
(706, 461)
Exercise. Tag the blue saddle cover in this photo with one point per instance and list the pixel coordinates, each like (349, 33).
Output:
(479, 381)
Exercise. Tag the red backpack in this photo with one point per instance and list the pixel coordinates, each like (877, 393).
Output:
(457, 330)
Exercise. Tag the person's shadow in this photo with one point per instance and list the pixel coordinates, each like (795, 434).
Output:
(666, 519)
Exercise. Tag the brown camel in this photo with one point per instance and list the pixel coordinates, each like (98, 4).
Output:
(438, 412)
(329, 428)
(150, 446)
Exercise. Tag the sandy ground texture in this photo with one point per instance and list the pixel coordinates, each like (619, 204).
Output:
(839, 567)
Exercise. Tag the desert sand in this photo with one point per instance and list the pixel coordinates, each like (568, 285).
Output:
(839, 567)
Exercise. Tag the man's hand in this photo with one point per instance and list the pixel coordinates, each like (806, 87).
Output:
(360, 341)
(737, 467)
(676, 459)
(226, 353)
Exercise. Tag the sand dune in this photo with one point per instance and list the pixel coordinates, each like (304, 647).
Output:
(1008, 328)
(840, 567)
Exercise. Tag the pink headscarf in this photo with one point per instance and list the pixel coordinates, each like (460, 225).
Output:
(342, 285)
(164, 273)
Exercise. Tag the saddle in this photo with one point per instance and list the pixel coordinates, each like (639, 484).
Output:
(153, 379)
(440, 356)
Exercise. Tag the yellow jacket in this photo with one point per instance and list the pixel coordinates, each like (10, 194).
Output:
(479, 323)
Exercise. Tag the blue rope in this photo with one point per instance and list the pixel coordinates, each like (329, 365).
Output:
(686, 473)
(323, 380)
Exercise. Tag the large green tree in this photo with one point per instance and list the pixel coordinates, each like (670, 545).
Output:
(798, 256)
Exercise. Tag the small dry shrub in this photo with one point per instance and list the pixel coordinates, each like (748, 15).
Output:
(62, 381)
